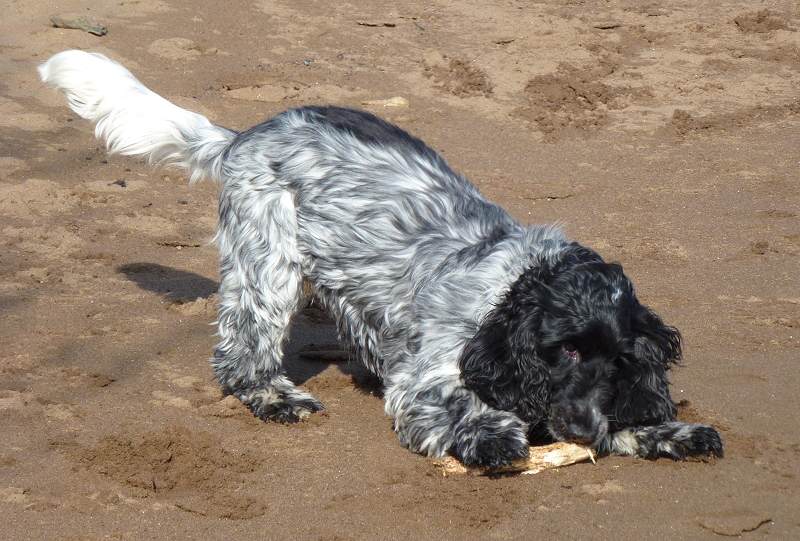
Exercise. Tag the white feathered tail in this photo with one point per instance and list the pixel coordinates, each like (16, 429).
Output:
(132, 119)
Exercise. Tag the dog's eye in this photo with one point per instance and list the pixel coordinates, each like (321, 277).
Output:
(571, 351)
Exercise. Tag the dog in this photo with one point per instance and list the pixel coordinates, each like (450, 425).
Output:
(485, 333)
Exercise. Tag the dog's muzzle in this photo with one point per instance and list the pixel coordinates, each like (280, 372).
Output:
(579, 422)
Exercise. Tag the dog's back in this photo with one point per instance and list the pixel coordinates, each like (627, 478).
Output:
(379, 215)
(368, 213)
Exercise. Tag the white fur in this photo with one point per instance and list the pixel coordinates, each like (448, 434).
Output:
(130, 118)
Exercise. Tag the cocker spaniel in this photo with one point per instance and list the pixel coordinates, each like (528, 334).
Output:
(485, 332)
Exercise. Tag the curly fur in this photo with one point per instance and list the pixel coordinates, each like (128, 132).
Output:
(484, 331)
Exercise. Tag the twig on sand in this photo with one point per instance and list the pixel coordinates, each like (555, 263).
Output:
(541, 458)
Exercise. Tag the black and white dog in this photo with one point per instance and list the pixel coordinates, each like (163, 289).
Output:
(484, 332)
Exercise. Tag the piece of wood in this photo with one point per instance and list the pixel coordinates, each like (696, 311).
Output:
(541, 458)
(396, 101)
(79, 23)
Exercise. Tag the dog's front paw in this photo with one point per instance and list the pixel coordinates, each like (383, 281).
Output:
(697, 440)
(679, 440)
(270, 404)
(491, 440)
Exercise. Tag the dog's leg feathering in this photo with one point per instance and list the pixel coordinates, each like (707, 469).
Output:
(260, 290)
(672, 440)
(447, 417)
(133, 120)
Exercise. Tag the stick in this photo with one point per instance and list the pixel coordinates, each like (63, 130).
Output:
(79, 23)
(541, 458)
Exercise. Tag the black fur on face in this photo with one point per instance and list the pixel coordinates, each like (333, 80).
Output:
(572, 352)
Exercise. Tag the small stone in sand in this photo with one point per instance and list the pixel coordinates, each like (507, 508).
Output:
(79, 23)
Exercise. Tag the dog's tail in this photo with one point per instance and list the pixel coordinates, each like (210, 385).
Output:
(132, 119)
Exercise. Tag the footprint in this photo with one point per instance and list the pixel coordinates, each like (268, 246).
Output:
(35, 196)
(602, 489)
(197, 307)
(161, 398)
(178, 49)
(14, 115)
(186, 469)
(63, 413)
(457, 77)
(230, 406)
(760, 22)
(10, 165)
(14, 495)
(14, 400)
(22, 496)
(274, 92)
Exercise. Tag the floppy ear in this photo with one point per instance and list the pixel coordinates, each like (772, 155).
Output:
(501, 366)
(642, 383)
(657, 343)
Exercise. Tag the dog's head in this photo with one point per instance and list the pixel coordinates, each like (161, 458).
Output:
(571, 350)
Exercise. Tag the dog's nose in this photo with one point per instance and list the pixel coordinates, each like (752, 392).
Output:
(580, 423)
(585, 435)
(589, 427)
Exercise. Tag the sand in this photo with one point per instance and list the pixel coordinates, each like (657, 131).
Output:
(665, 135)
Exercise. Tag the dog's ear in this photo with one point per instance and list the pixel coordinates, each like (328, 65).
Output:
(656, 342)
(642, 383)
(500, 364)
(485, 361)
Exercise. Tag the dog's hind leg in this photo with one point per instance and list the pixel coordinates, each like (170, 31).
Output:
(260, 291)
